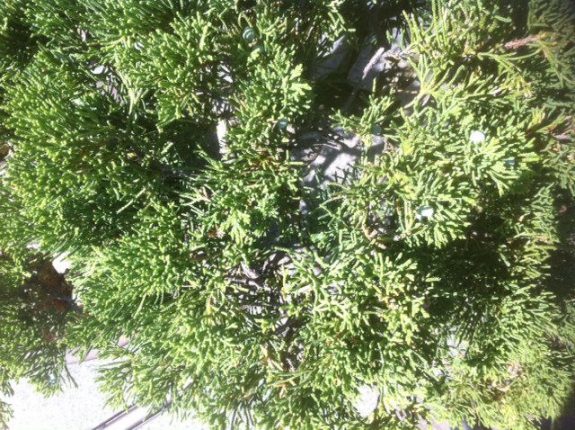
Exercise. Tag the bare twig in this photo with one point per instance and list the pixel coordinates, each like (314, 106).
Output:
(515, 44)
(148, 418)
(562, 137)
(114, 418)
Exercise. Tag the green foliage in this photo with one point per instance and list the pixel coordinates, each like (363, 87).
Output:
(34, 308)
(15, 36)
(250, 295)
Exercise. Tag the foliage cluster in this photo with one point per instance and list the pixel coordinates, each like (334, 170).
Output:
(250, 296)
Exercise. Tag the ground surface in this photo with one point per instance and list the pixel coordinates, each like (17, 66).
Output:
(79, 408)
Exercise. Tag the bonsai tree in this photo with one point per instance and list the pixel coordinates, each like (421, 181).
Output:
(285, 205)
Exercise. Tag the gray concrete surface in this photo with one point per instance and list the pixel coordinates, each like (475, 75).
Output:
(79, 408)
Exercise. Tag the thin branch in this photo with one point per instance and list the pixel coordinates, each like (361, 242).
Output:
(148, 418)
(114, 418)
(515, 44)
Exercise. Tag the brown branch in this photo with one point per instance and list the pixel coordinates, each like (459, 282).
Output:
(562, 137)
(520, 43)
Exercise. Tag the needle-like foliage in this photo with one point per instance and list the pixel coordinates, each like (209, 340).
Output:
(179, 153)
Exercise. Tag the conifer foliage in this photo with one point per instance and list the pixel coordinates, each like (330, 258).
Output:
(166, 147)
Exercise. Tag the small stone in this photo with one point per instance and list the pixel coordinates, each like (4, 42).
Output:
(249, 34)
(283, 125)
(510, 163)
(425, 213)
(34, 246)
(476, 137)
(98, 70)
